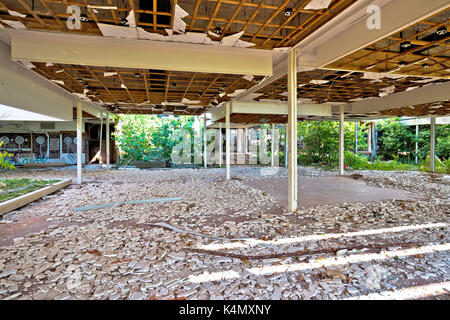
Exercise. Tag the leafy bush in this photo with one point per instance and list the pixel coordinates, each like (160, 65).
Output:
(319, 141)
(358, 162)
(398, 140)
(4, 162)
(148, 137)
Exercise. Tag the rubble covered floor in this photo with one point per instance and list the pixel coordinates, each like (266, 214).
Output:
(50, 251)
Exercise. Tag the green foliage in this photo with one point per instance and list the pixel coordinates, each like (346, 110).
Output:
(398, 140)
(319, 141)
(359, 162)
(440, 167)
(11, 184)
(4, 163)
(148, 137)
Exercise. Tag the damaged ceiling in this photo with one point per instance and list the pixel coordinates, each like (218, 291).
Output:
(264, 24)
(415, 57)
(124, 90)
(418, 50)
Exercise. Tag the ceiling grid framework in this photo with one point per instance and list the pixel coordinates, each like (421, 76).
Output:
(263, 23)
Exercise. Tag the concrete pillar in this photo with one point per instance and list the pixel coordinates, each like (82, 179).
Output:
(220, 145)
(100, 160)
(341, 140)
(356, 137)
(239, 141)
(108, 158)
(205, 146)
(369, 137)
(292, 130)
(246, 140)
(417, 144)
(272, 146)
(227, 138)
(286, 148)
(433, 144)
(79, 141)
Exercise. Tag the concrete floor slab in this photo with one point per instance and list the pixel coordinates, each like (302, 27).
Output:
(315, 191)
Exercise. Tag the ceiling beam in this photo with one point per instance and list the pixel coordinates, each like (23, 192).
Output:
(395, 16)
(427, 94)
(141, 54)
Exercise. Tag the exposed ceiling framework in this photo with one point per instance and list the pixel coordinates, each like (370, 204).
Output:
(378, 68)
(437, 109)
(422, 49)
(126, 90)
(326, 86)
(263, 23)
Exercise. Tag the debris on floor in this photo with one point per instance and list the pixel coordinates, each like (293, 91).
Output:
(50, 251)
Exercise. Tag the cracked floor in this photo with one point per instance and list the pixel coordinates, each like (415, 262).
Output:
(50, 251)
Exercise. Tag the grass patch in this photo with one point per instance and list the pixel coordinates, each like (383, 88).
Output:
(25, 185)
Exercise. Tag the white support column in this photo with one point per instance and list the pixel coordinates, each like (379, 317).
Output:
(417, 144)
(100, 160)
(356, 137)
(227, 139)
(79, 141)
(286, 148)
(433, 144)
(246, 140)
(272, 147)
(220, 145)
(369, 137)
(108, 166)
(205, 147)
(341, 140)
(292, 130)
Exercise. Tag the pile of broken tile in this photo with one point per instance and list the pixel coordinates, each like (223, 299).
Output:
(115, 253)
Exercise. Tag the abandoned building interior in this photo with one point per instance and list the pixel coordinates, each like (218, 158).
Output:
(69, 69)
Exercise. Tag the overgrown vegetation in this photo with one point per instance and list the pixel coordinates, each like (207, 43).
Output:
(149, 137)
(319, 141)
(396, 140)
(142, 137)
(4, 162)
(11, 188)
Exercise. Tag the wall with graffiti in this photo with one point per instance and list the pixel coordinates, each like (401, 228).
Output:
(41, 147)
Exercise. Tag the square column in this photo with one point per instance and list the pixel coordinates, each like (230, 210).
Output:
(79, 141)
(108, 166)
(292, 130)
(341, 140)
(433, 144)
(227, 139)
(100, 159)
(205, 144)
(220, 145)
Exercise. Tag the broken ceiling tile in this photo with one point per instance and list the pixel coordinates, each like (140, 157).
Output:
(319, 82)
(178, 24)
(131, 19)
(317, 4)
(236, 92)
(108, 30)
(14, 24)
(16, 14)
(187, 101)
(61, 82)
(109, 74)
(230, 41)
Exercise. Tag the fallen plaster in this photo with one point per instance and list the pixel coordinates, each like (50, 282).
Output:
(176, 34)
(49, 251)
